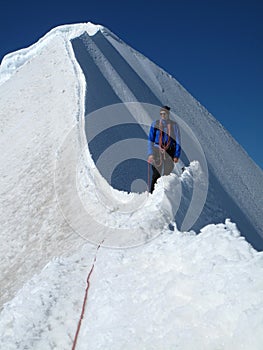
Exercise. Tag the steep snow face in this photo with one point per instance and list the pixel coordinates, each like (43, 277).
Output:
(40, 103)
(120, 74)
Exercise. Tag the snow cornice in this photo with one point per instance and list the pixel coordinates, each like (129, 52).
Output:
(14, 60)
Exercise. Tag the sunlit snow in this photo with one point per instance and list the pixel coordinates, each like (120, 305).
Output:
(153, 286)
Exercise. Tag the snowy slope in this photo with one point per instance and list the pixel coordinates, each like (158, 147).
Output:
(180, 291)
(54, 200)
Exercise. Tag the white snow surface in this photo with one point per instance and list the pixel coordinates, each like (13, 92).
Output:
(171, 290)
(180, 291)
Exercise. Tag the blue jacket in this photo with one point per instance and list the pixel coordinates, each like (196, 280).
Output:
(153, 138)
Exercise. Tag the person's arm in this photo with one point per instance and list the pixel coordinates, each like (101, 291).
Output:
(151, 140)
(177, 151)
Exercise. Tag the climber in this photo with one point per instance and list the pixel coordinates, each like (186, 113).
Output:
(163, 145)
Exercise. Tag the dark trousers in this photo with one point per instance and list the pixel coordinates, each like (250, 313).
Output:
(161, 162)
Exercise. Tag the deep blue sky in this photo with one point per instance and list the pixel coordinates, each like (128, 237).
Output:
(213, 48)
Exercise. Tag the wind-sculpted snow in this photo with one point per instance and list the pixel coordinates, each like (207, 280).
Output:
(71, 121)
(181, 291)
(123, 75)
(118, 215)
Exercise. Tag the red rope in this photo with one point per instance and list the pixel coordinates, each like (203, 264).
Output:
(163, 146)
(85, 298)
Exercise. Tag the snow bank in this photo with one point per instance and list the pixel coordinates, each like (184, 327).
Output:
(181, 291)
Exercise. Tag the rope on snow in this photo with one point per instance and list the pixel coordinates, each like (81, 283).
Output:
(85, 298)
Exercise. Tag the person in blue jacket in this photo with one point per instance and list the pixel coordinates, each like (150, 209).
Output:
(163, 145)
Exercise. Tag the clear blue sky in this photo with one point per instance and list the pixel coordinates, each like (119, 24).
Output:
(213, 48)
